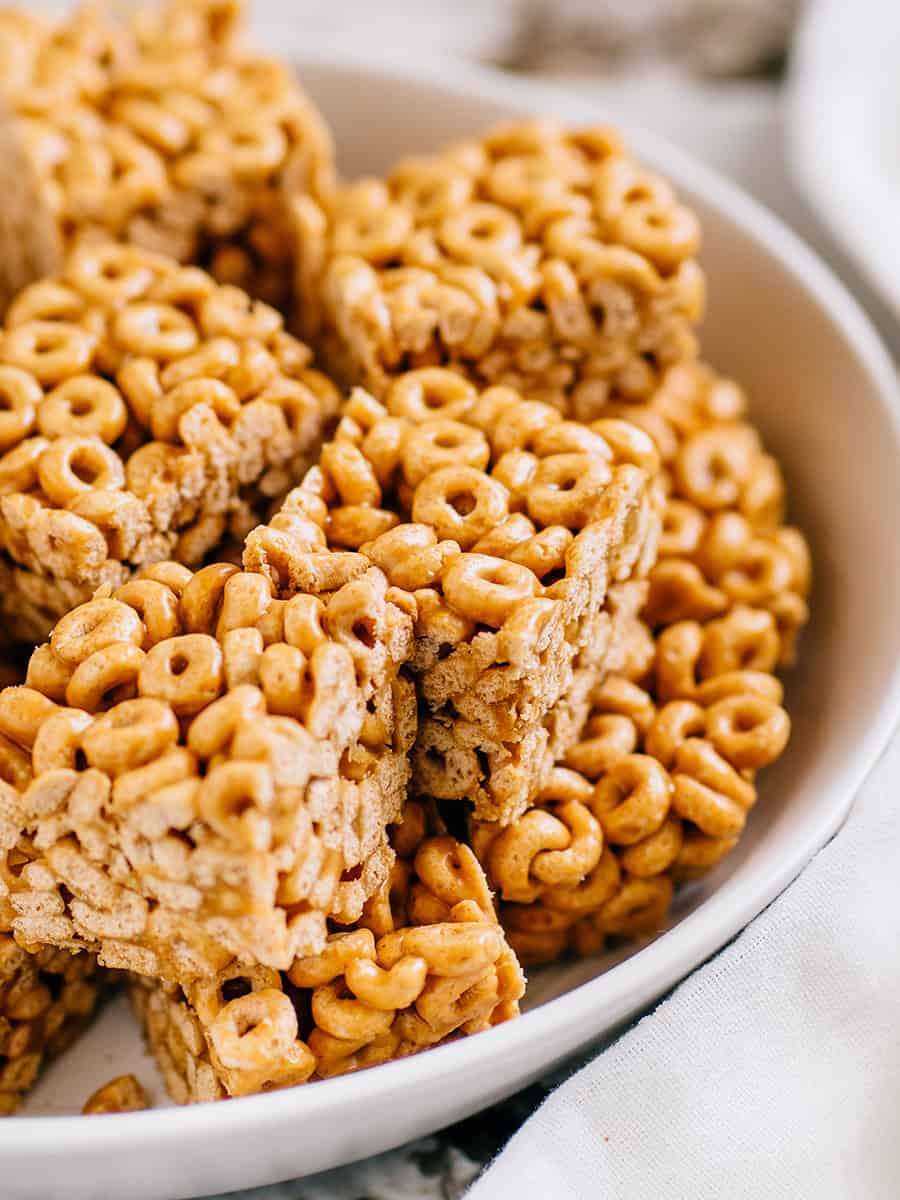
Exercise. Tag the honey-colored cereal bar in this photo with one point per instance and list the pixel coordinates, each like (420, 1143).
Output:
(202, 766)
(426, 964)
(149, 412)
(515, 533)
(159, 128)
(540, 258)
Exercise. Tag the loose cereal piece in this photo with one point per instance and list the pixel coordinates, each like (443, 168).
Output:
(538, 258)
(202, 766)
(160, 130)
(148, 413)
(516, 535)
(122, 1094)
(426, 963)
(46, 1000)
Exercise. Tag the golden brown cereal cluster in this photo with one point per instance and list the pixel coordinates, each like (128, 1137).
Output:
(516, 534)
(724, 545)
(147, 412)
(426, 963)
(161, 130)
(657, 791)
(203, 766)
(46, 999)
(534, 257)
(659, 788)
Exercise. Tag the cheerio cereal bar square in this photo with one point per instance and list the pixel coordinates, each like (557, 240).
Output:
(203, 766)
(426, 963)
(159, 128)
(509, 528)
(148, 413)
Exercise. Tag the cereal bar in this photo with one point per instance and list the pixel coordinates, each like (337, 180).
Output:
(149, 412)
(206, 763)
(427, 963)
(516, 534)
(160, 129)
(542, 259)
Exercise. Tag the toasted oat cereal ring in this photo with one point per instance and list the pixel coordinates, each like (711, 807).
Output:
(105, 678)
(656, 853)
(186, 672)
(237, 798)
(430, 392)
(441, 442)
(487, 589)
(460, 503)
(253, 1031)
(451, 949)
(157, 331)
(387, 989)
(565, 489)
(48, 350)
(340, 950)
(347, 1018)
(202, 597)
(22, 712)
(20, 398)
(71, 466)
(673, 724)
(608, 737)
(59, 740)
(83, 406)
(18, 467)
(129, 735)
(590, 894)
(639, 907)
(93, 626)
(631, 801)
(157, 605)
(111, 274)
(745, 639)
(749, 731)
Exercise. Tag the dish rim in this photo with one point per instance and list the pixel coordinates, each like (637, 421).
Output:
(696, 936)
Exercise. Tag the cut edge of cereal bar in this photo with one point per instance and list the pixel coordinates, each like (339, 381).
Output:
(205, 768)
(427, 963)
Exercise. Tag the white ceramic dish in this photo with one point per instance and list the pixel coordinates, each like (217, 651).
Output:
(844, 130)
(826, 397)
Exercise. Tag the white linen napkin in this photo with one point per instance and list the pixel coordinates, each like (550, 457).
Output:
(772, 1071)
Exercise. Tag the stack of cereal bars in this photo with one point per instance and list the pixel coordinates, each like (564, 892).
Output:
(349, 673)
